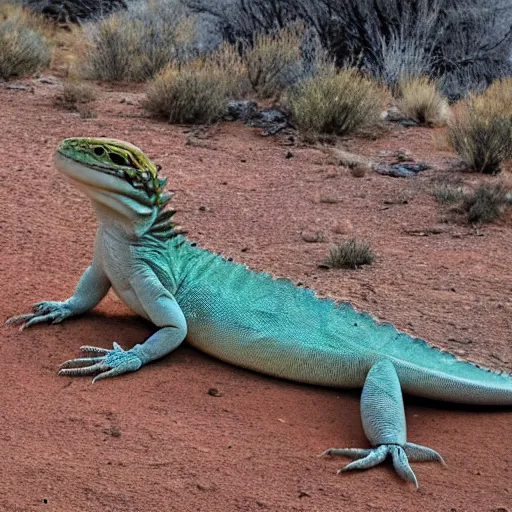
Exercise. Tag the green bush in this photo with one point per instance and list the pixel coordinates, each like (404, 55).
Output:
(337, 102)
(23, 50)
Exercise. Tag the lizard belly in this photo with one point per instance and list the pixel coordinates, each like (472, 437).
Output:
(118, 263)
(129, 298)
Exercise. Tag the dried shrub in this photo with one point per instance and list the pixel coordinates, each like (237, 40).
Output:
(337, 103)
(111, 49)
(351, 254)
(227, 63)
(486, 203)
(466, 43)
(75, 94)
(447, 194)
(274, 60)
(193, 92)
(26, 17)
(137, 44)
(499, 95)
(419, 98)
(23, 48)
(481, 133)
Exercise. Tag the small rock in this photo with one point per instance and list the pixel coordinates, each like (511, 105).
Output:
(303, 494)
(241, 109)
(48, 81)
(289, 154)
(215, 392)
(358, 171)
(331, 173)
(329, 199)
(311, 236)
(204, 209)
(343, 227)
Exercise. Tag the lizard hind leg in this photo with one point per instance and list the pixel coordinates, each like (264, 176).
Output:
(383, 418)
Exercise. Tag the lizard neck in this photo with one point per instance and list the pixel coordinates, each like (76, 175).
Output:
(126, 222)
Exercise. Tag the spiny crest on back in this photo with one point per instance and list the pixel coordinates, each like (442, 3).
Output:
(120, 159)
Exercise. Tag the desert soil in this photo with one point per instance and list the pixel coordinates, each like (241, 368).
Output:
(156, 440)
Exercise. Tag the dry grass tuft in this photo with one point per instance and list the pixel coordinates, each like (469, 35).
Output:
(351, 254)
(123, 48)
(228, 64)
(24, 50)
(447, 194)
(481, 133)
(499, 95)
(338, 103)
(75, 94)
(486, 203)
(193, 93)
(419, 98)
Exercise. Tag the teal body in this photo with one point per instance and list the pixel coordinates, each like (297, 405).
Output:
(269, 325)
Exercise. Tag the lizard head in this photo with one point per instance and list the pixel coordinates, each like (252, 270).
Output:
(117, 175)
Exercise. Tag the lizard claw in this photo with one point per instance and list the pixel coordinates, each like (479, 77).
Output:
(46, 311)
(109, 364)
(400, 455)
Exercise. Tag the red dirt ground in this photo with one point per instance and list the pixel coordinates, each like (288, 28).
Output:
(156, 440)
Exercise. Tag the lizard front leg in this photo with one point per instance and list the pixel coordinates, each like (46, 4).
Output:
(162, 309)
(90, 290)
(383, 418)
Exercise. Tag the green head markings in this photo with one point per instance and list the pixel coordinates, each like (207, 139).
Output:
(117, 158)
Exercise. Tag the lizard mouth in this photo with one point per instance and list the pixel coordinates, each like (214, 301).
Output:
(67, 163)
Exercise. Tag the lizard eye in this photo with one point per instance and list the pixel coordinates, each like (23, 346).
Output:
(117, 159)
(99, 151)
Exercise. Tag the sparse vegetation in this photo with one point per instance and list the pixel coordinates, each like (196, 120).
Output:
(447, 194)
(274, 60)
(194, 92)
(135, 45)
(75, 94)
(498, 97)
(486, 203)
(465, 43)
(481, 134)
(23, 48)
(351, 254)
(228, 64)
(338, 102)
(419, 98)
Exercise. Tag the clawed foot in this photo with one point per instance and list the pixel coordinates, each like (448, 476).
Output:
(401, 455)
(43, 312)
(106, 363)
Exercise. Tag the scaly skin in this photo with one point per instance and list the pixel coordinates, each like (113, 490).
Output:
(247, 318)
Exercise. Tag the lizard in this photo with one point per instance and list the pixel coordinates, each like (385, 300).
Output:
(251, 319)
